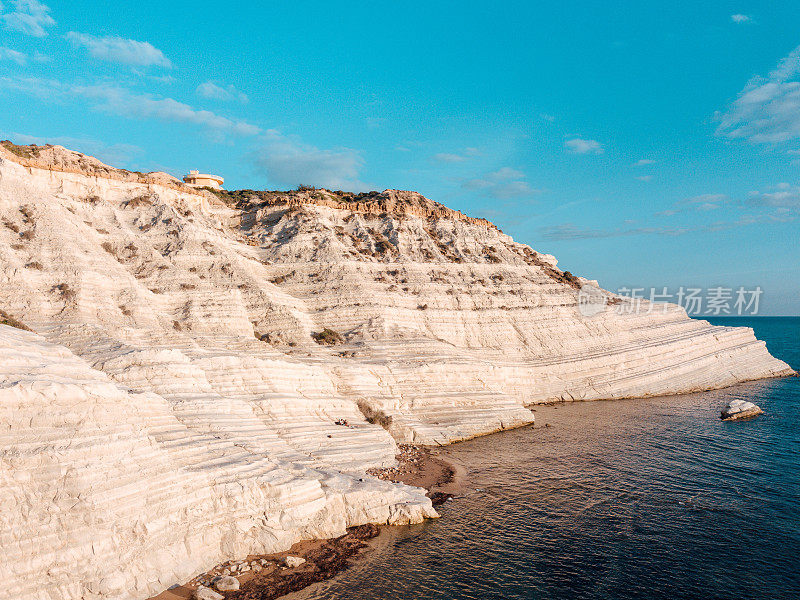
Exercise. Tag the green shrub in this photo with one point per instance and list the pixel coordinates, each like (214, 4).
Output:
(327, 337)
(6, 319)
(66, 292)
(570, 278)
(143, 200)
(31, 151)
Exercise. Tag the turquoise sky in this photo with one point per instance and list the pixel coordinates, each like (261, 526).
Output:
(644, 144)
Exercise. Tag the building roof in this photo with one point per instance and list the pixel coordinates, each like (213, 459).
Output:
(196, 175)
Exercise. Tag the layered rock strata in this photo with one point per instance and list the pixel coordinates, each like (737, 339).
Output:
(208, 376)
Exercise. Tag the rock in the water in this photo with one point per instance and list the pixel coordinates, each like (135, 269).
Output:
(226, 583)
(204, 593)
(739, 409)
(293, 561)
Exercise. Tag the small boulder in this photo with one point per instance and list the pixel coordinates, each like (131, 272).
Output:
(204, 593)
(226, 583)
(293, 561)
(739, 409)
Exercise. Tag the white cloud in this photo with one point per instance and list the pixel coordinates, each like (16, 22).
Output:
(375, 122)
(706, 201)
(581, 146)
(503, 184)
(44, 89)
(209, 89)
(449, 157)
(644, 162)
(570, 231)
(667, 213)
(779, 204)
(120, 50)
(784, 197)
(739, 18)
(506, 173)
(30, 17)
(126, 103)
(512, 189)
(457, 157)
(644, 177)
(706, 206)
(767, 110)
(162, 79)
(286, 161)
(12, 55)
(702, 203)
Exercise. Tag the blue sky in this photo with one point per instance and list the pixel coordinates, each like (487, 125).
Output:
(644, 144)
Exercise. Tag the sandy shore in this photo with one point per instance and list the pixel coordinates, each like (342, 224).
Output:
(425, 467)
(264, 577)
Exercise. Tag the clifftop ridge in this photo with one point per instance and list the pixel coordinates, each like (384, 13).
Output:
(398, 203)
(58, 158)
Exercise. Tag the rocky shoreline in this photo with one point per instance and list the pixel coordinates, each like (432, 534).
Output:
(424, 467)
(268, 576)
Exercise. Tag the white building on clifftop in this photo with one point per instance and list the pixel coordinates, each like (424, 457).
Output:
(197, 179)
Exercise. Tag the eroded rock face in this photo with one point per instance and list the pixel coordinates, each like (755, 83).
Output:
(132, 500)
(171, 410)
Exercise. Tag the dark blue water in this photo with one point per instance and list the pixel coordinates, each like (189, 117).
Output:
(653, 498)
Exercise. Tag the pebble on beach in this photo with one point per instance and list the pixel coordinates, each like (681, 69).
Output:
(226, 583)
(293, 561)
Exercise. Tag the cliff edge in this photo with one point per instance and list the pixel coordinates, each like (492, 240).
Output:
(211, 375)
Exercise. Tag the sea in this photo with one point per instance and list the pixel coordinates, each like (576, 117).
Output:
(649, 498)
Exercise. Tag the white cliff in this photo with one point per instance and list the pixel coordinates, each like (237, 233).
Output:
(171, 409)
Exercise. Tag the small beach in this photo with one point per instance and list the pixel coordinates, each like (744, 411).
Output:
(266, 576)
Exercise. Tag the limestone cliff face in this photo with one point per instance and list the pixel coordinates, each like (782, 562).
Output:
(171, 408)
